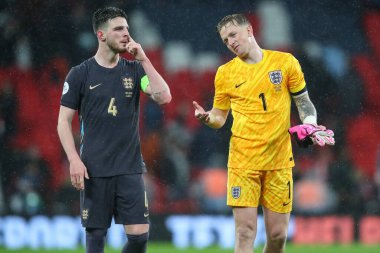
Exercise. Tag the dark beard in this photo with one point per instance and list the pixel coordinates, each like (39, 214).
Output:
(117, 50)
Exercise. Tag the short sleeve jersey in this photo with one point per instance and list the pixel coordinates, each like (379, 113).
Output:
(259, 96)
(107, 100)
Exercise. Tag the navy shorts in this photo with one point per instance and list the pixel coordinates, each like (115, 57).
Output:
(122, 197)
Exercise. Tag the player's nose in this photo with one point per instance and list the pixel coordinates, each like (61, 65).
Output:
(127, 36)
(231, 42)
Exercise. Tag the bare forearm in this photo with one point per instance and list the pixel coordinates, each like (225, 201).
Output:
(306, 109)
(67, 140)
(159, 89)
(217, 118)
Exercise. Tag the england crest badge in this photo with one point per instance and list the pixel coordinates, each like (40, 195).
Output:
(128, 85)
(275, 77)
(235, 192)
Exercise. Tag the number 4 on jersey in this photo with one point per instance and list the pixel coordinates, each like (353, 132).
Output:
(112, 107)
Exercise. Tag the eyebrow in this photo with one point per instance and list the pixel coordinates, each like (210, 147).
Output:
(120, 27)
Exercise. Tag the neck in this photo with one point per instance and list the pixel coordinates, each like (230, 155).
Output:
(106, 57)
(254, 55)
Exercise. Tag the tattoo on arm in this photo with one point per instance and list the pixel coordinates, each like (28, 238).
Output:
(305, 106)
(158, 93)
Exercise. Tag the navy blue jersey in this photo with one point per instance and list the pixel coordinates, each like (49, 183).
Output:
(107, 100)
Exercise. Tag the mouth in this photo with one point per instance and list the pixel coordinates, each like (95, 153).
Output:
(124, 40)
(124, 43)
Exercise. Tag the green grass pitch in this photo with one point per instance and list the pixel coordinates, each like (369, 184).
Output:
(168, 248)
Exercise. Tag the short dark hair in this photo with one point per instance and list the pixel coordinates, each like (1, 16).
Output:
(236, 19)
(101, 16)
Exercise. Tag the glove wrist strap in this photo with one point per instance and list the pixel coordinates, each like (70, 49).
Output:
(310, 120)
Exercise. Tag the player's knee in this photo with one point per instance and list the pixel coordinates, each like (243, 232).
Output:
(245, 233)
(95, 240)
(140, 240)
(277, 236)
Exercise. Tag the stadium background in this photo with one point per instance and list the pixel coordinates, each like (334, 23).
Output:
(337, 189)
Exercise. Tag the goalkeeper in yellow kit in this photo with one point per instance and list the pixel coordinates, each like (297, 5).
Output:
(257, 86)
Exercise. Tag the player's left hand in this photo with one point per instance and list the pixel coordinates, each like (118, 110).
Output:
(200, 113)
(78, 172)
(135, 49)
(309, 134)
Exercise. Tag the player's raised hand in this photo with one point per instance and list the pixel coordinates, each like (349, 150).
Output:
(135, 49)
(78, 172)
(200, 113)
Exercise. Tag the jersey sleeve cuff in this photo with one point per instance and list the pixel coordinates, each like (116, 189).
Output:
(298, 93)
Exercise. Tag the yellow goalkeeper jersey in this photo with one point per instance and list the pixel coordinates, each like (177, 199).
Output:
(259, 96)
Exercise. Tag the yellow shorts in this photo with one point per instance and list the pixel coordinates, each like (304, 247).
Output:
(272, 189)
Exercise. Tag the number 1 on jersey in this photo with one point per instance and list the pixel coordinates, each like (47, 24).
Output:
(112, 107)
(262, 96)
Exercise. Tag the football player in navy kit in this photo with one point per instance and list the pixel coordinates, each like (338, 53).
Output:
(105, 90)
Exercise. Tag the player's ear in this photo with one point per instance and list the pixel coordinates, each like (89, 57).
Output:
(100, 35)
(250, 31)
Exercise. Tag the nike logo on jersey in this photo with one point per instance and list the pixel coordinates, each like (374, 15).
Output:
(285, 204)
(93, 87)
(146, 215)
(240, 84)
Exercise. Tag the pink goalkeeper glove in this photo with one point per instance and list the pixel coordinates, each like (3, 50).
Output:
(308, 134)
